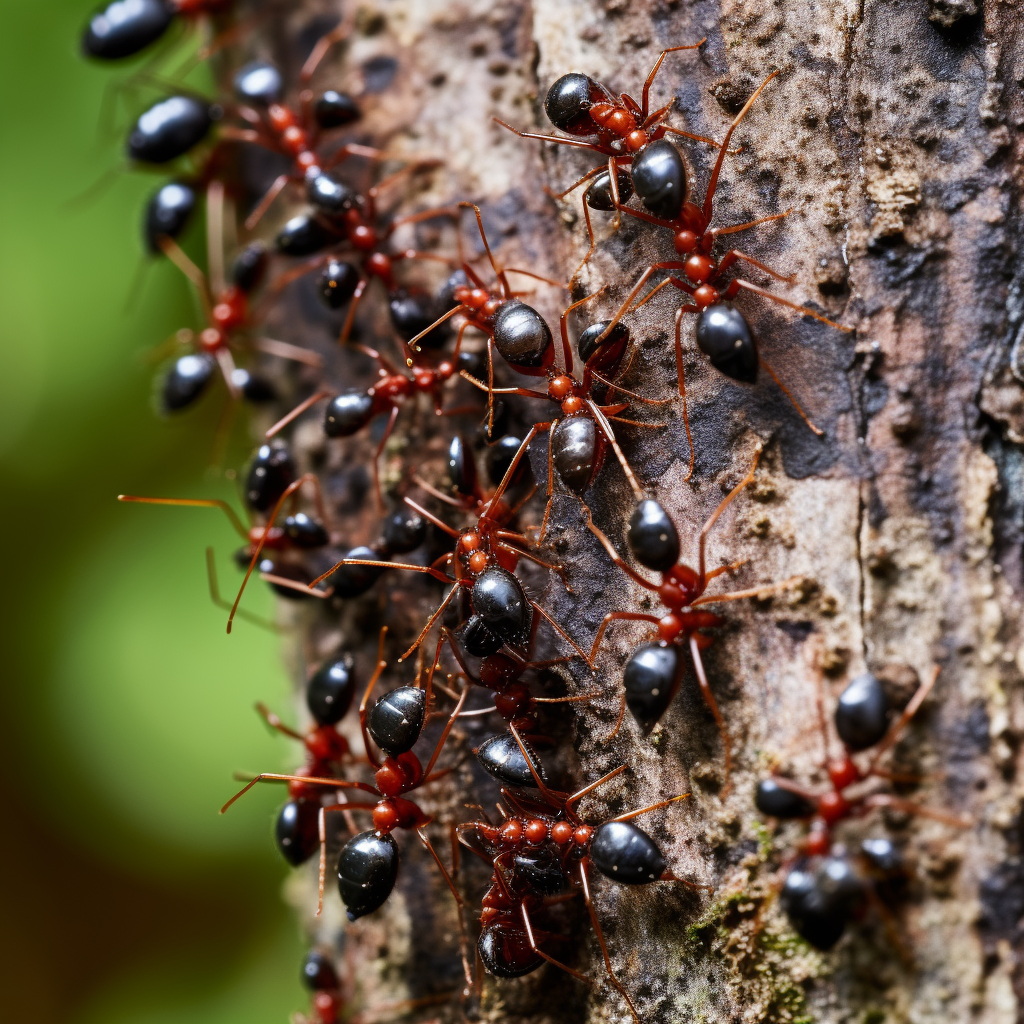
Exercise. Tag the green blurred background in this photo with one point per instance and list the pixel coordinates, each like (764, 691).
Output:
(125, 706)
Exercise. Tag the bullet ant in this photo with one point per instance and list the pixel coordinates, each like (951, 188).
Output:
(543, 847)
(722, 333)
(654, 671)
(368, 862)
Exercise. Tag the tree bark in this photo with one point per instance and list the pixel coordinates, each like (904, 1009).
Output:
(893, 132)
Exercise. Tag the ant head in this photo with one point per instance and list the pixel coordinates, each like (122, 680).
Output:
(724, 336)
(842, 772)
(603, 354)
(186, 381)
(660, 179)
(574, 448)
(471, 297)
(569, 101)
(652, 537)
(862, 713)
(502, 759)
(599, 193)
(329, 693)
(650, 679)
(700, 268)
(121, 30)
(501, 603)
(821, 897)
(334, 109)
(471, 548)
(626, 853)
(522, 336)
(396, 720)
(367, 871)
(259, 83)
(462, 466)
(348, 413)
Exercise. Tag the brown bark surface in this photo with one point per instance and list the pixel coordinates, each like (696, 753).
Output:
(893, 131)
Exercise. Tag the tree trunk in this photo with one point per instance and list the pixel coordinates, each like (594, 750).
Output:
(892, 131)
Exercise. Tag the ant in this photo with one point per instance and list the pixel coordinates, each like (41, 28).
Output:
(722, 333)
(654, 671)
(352, 410)
(226, 310)
(368, 862)
(862, 722)
(624, 131)
(824, 888)
(539, 849)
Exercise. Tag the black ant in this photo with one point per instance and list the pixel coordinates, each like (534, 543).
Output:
(723, 333)
(226, 310)
(623, 130)
(368, 862)
(654, 671)
(539, 849)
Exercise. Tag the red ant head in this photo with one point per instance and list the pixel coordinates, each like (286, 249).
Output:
(511, 701)
(272, 537)
(636, 140)
(562, 833)
(395, 813)
(669, 627)
(280, 117)
(362, 236)
(445, 369)
(706, 295)
(817, 843)
(424, 377)
(685, 241)
(700, 268)
(211, 339)
(325, 743)
(472, 298)
(498, 672)
(833, 807)
(490, 307)
(560, 387)
(229, 312)
(327, 1007)
(398, 774)
(843, 772)
(536, 831)
(582, 835)
(378, 264)
(511, 833)
(295, 141)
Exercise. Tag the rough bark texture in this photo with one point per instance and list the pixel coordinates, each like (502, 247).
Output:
(893, 131)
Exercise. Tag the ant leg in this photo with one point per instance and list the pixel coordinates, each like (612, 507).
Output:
(901, 723)
(405, 172)
(408, 566)
(506, 480)
(177, 256)
(738, 595)
(645, 95)
(379, 667)
(618, 560)
(590, 248)
(220, 602)
(538, 561)
(796, 405)
(459, 902)
(629, 815)
(317, 396)
(312, 780)
(267, 201)
(709, 196)
(194, 503)
(445, 732)
(525, 914)
(600, 941)
(430, 622)
(581, 793)
(739, 282)
(709, 699)
(625, 391)
(910, 807)
(547, 138)
(562, 633)
(563, 324)
(551, 484)
(713, 518)
(439, 523)
(690, 135)
(625, 307)
(479, 384)
(301, 588)
(681, 378)
(576, 184)
(350, 315)
(337, 34)
(275, 722)
(733, 255)
(731, 229)
(380, 451)
(437, 323)
(215, 235)
(285, 350)
(606, 429)
(731, 567)
(617, 617)
(346, 809)
(502, 280)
